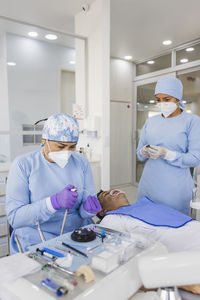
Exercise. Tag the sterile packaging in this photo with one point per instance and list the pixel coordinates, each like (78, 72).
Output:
(126, 249)
(106, 261)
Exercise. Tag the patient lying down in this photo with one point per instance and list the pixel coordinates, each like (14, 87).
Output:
(173, 229)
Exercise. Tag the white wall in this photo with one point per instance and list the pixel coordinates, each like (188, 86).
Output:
(95, 25)
(121, 80)
(33, 84)
(4, 110)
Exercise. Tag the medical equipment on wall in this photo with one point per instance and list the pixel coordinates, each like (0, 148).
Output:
(170, 270)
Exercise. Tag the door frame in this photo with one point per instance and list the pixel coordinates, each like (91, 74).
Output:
(60, 105)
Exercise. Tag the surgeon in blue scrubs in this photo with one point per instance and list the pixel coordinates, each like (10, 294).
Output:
(41, 184)
(170, 146)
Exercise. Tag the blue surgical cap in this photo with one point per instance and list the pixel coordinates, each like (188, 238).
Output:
(170, 86)
(61, 128)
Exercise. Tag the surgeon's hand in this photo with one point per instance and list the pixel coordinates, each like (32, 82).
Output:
(92, 205)
(65, 199)
(156, 152)
(144, 151)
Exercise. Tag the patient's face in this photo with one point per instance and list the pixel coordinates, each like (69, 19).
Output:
(111, 202)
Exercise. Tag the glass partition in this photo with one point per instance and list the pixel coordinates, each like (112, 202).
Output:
(153, 65)
(41, 67)
(191, 91)
(188, 54)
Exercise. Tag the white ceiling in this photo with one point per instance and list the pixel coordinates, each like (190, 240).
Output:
(138, 27)
(58, 14)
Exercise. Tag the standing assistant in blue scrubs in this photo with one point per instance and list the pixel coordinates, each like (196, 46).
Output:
(39, 186)
(170, 146)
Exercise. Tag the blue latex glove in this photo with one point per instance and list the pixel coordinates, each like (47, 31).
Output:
(65, 199)
(92, 205)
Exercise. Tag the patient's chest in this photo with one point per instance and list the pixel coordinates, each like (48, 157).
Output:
(132, 225)
(122, 223)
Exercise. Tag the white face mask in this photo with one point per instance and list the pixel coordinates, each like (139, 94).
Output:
(61, 158)
(167, 108)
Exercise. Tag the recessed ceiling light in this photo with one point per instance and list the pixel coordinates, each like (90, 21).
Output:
(190, 49)
(11, 63)
(72, 62)
(167, 42)
(151, 62)
(51, 37)
(184, 102)
(151, 101)
(33, 34)
(128, 57)
(146, 106)
(184, 60)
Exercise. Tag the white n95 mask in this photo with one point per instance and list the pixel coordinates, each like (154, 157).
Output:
(61, 158)
(167, 108)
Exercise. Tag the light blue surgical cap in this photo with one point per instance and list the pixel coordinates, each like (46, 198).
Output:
(61, 128)
(170, 86)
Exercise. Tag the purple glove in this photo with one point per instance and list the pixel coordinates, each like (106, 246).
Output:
(92, 205)
(65, 199)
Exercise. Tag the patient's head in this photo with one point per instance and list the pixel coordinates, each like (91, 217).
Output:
(111, 200)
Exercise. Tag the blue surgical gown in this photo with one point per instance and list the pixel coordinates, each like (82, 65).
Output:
(31, 180)
(164, 181)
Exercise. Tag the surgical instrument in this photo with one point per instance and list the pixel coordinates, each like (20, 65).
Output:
(65, 215)
(67, 251)
(45, 253)
(54, 287)
(74, 249)
(18, 244)
(40, 231)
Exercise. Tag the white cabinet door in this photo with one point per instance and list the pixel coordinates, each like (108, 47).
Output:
(121, 143)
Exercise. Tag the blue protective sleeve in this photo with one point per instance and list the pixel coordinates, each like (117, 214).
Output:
(19, 209)
(192, 157)
(89, 186)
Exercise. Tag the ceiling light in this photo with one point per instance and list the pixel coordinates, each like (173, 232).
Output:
(11, 63)
(188, 111)
(184, 60)
(151, 62)
(72, 62)
(167, 42)
(190, 49)
(184, 102)
(151, 101)
(33, 34)
(128, 57)
(51, 37)
(146, 106)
